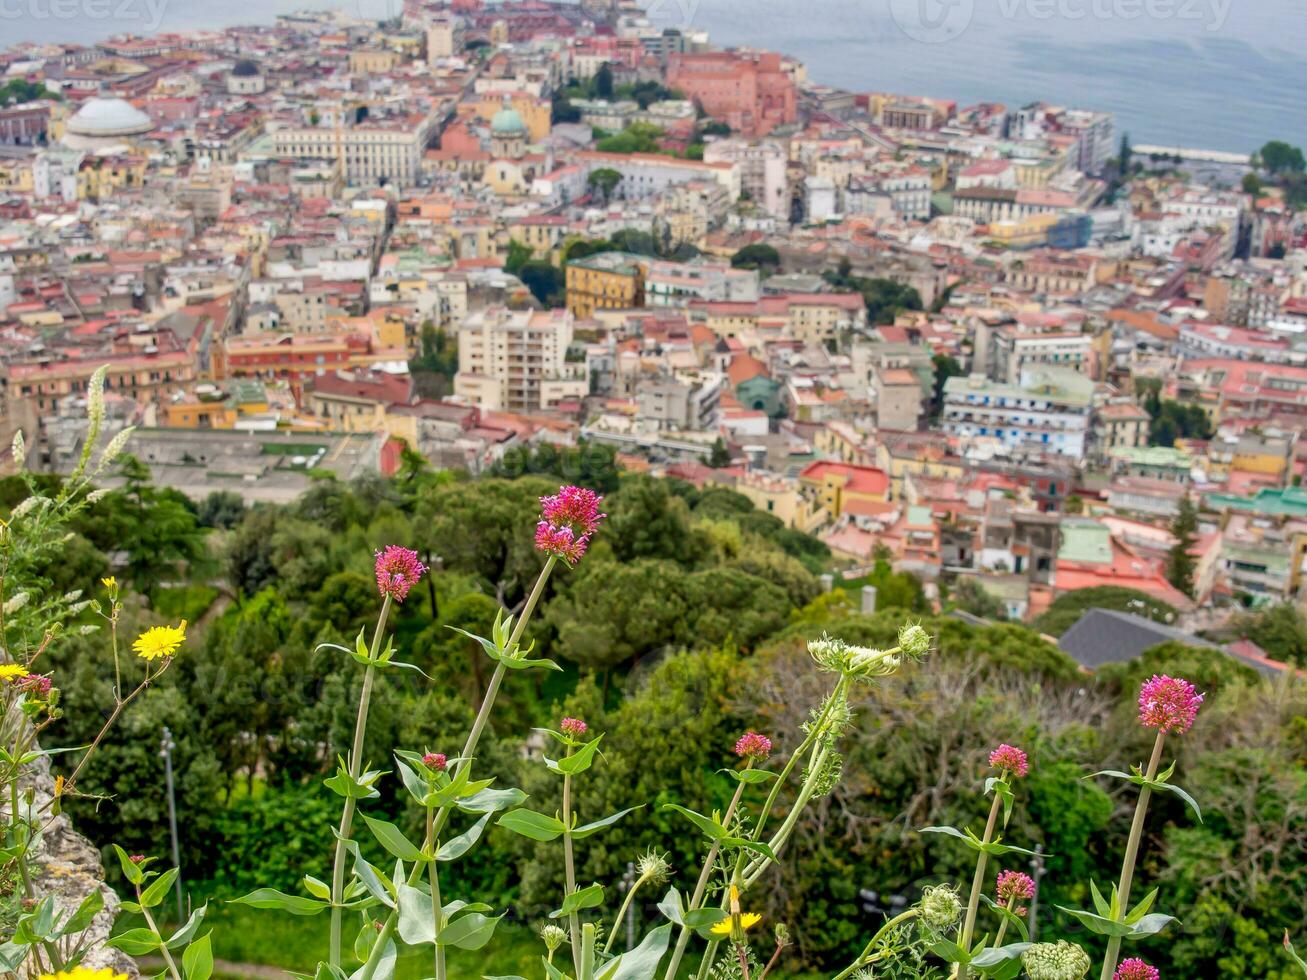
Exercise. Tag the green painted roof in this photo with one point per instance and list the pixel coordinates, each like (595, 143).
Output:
(1288, 502)
(1085, 541)
(1153, 456)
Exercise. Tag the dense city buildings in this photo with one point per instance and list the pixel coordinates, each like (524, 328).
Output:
(987, 344)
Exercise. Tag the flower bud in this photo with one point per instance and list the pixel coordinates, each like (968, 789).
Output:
(940, 906)
(914, 641)
(1055, 961)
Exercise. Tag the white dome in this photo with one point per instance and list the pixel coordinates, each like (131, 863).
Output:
(109, 117)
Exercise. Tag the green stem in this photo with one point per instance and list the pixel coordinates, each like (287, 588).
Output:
(163, 946)
(621, 914)
(865, 956)
(683, 939)
(437, 908)
(1131, 856)
(569, 870)
(978, 882)
(355, 764)
(469, 748)
(1002, 926)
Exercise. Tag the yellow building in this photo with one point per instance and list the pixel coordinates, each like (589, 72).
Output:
(370, 61)
(542, 233)
(776, 495)
(917, 456)
(605, 281)
(16, 176)
(99, 178)
(842, 488)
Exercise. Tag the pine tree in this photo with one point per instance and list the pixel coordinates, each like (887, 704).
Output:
(1179, 563)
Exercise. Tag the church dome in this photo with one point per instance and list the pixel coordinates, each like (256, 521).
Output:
(100, 118)
(507, 122)
(245, 69)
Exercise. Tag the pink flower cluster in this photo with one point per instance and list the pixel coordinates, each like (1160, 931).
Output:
(568, 520)
(35, 684)
(1009, 758)
(398, 570)
(573, 727)
(1168, 704)
(435, 761)
(1135, 969)
(753, 746)
(1013, 886)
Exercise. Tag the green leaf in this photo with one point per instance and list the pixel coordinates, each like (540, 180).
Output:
(393, 840)
(672, 907)
(640, 963)
(270, 898)
(88, 909)
(132, 871)
(1140, 910)
(491, 800)
(456, 847)
(949, 951)
(530, 824)
(750, 777)
(317, 888)
(158, 889)
(1189, 800)
(385, 965)
(996, 784)
(1150, 925)
(197, 961)
(710, 827)
(1103, 907)
(702, 920)
(416, 915)
(134, 942)
(582, 898)
(470, 931)
(1012, 918)
(757, 847)
(343, 784)
(1097, 923)
(576, 763)
(183, 935)
(594, 827)
(996, 955)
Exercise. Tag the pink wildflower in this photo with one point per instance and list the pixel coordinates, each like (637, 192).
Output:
(568, 519)
(573, 727)
(1009, 758)
(398, 570)
(560, 542)
(573, 507)
(1168, 704)
(753, 746)
(1135, 969)
(435, 761)
(1013, 886)
(37, 684)
(137, 858)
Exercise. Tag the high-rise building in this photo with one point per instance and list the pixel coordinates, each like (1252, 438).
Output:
(516, 360)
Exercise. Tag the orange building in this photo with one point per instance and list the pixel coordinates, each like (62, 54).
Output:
(750, 91)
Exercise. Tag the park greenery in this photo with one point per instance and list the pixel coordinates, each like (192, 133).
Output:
(359, 662)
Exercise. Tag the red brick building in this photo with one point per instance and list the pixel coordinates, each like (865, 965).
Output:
(750, 91)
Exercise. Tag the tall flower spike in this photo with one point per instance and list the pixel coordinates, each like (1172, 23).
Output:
(1168, 704)
(398, 570)
(1135, 969)
(1009, 758)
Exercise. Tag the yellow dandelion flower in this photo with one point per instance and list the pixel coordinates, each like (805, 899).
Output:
(84, 973)
(11, 672)
(109, 583)
(747, 921)
(160, 641)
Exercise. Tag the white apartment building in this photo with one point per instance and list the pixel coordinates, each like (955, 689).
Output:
(516, 360)
(762, 171)
(388, 148)
(1047, 413)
